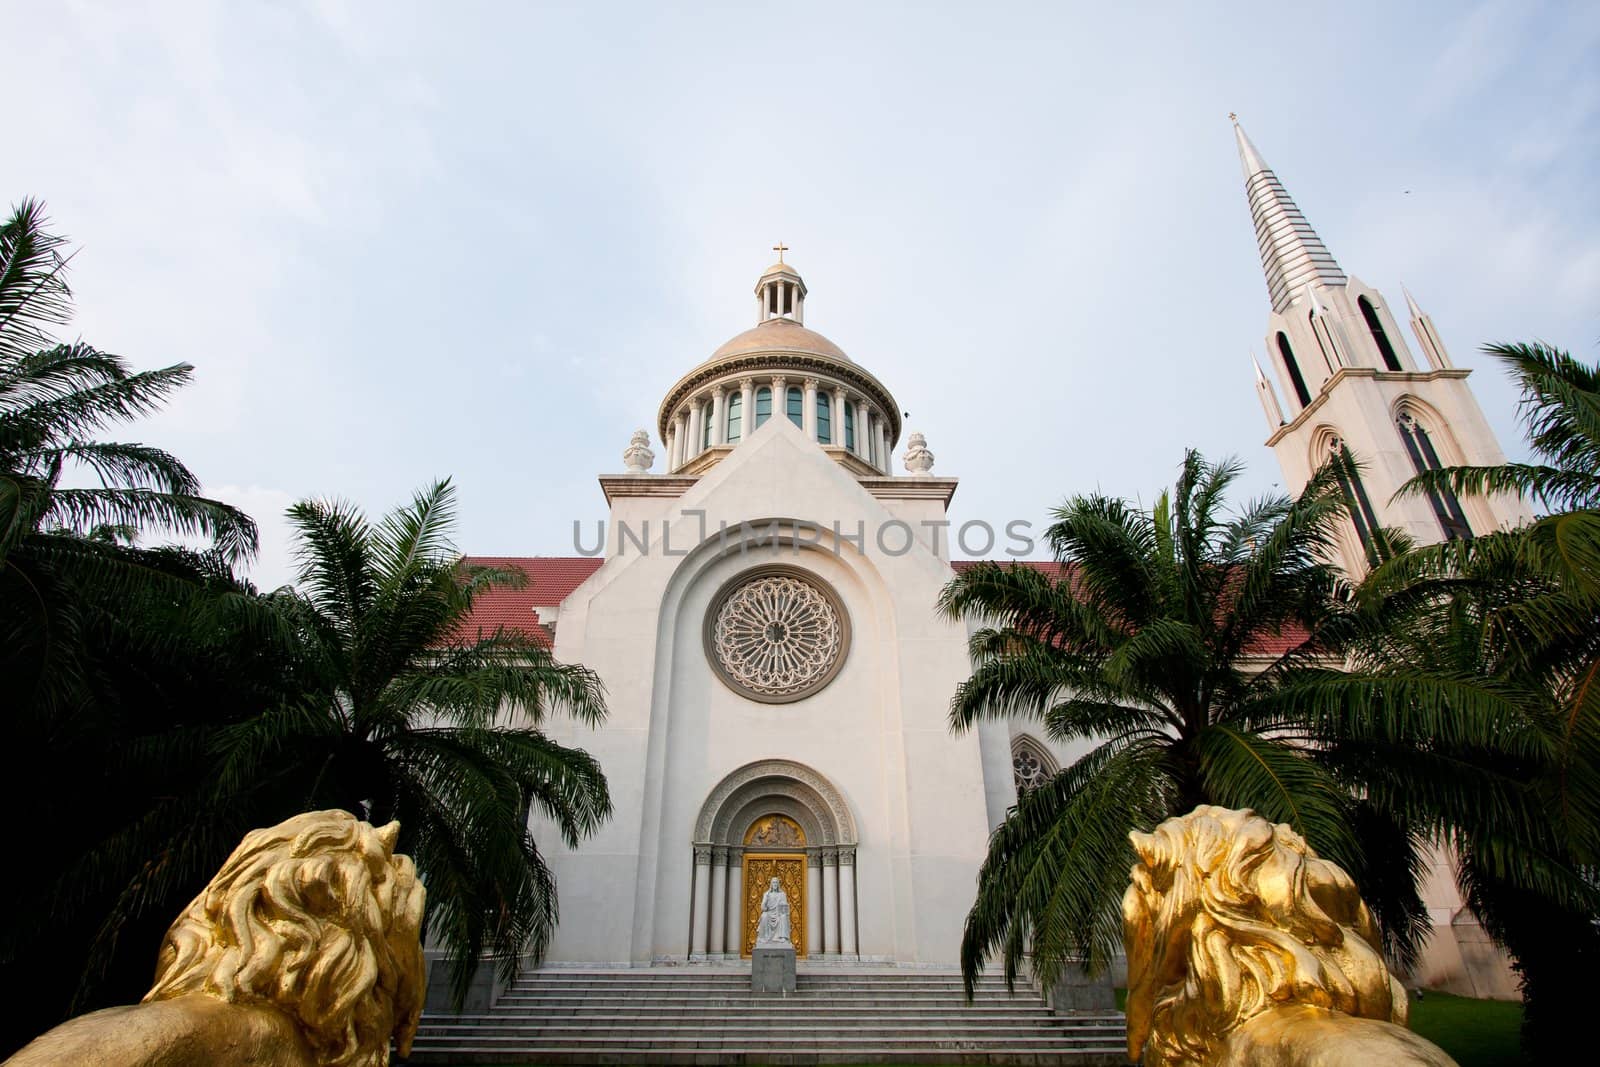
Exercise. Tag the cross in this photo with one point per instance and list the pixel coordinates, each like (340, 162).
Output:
(780, 248)
(1232, 116)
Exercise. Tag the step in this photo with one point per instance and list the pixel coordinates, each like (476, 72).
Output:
(1099, 1056)
(697, 1016)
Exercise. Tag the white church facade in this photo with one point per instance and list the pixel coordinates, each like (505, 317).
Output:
(763, 617)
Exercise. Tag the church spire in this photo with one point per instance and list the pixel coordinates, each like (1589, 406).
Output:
(1292, 254)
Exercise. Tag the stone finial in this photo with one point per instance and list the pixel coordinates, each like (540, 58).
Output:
(638, 458)
(918, 460)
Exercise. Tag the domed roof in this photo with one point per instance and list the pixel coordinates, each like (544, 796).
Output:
(779, 335)
(780, 267)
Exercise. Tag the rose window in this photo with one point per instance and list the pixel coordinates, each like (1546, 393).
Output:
(777, 636)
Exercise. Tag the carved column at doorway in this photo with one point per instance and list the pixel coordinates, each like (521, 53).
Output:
(735, 903)
(719, 900)
(847, 901)
(814, 892)
(830, 901)
(702, 898)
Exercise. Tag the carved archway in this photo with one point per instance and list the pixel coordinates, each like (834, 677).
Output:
(774, 818)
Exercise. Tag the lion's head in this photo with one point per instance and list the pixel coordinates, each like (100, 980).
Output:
(1229, 916)
(318, 918)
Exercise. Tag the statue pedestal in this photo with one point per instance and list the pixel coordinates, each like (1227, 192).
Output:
(772, 969)
(1075, 991)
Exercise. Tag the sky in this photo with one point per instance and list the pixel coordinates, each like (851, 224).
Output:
(403, 241)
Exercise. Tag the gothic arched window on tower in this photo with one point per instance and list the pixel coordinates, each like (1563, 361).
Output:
(735, 417)
(1300, 391)
(1391, 361)
(1031, 766)
(1424, 458)
(795, 405)
(1362, 515)
(849, 426)
(763, 405)
(824, 419)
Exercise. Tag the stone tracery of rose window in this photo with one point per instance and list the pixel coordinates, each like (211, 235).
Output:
(777, 636)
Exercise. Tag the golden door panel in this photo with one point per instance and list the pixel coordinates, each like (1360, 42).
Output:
(790, 871)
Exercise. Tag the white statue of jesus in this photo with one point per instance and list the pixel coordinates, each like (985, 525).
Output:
(773, 928)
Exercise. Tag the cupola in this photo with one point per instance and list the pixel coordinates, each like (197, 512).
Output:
(780, 292)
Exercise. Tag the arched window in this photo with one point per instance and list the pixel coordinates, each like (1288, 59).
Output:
(824, 419)
(1289, 364)
(1385, 349)
(735, 417)
(705, 426)
(849, 426)
(1031, 766)
(763, 405)
(1362, 515)
(1424, 457)
(795, 406)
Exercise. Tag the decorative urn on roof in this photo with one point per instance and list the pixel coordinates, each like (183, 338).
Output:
(918, 460)
(638, 458)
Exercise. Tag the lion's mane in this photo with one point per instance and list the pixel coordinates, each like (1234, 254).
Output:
(1230, 916)
(318, 918)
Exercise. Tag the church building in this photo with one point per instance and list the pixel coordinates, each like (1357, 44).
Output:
(778, 678)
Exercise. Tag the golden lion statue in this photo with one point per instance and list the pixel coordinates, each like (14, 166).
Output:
(1244, 948)
(304, 949)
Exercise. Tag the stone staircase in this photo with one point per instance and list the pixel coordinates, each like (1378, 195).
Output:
(710, 1016)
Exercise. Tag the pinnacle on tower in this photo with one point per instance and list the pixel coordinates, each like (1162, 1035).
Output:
(1292, 255)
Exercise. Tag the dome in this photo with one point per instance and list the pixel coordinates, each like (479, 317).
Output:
(779, 335)
(780, 268)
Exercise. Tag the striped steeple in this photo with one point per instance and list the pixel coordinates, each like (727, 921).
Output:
(1292, 255)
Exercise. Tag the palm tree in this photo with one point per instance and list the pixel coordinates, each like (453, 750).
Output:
(99, 640)
(54, 396)
(407, 716)
(1195, 652)
(1522, 607)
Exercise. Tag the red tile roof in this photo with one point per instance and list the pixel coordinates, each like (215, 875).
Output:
(550, 580)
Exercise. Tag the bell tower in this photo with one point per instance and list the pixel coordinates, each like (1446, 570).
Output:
(1349, 381)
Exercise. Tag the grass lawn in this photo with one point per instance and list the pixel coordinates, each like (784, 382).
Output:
(1478, 1033)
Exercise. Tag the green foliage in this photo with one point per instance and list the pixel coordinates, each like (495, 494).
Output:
(1162, 641)
(155, 707)
(402, 715)
(1519, 611)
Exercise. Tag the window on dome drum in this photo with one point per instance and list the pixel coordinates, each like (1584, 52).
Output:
(763, 405)
(824, 420)
(795, 403)
(705, 427)
(1424, 458)
(1385, 349)
(1300, 391)
(735, 417)
(849, 426)
(1362, 515)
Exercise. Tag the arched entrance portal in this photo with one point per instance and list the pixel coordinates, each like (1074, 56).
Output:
(774, 819)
